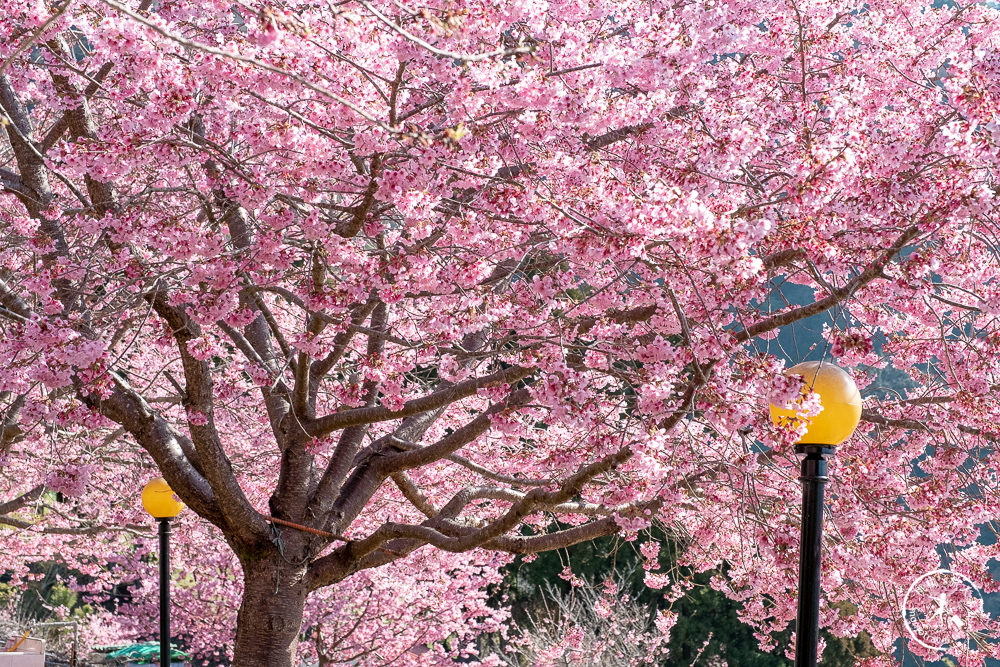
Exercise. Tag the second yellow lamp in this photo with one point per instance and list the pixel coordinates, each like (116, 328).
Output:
(159, 499)
(839, 397)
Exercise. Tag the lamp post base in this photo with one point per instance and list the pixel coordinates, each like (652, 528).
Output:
(813, 477)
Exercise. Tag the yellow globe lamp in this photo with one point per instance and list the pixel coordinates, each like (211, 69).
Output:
(159, 500)
(839, 397)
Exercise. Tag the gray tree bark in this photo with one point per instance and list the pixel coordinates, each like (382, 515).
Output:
(270, 615)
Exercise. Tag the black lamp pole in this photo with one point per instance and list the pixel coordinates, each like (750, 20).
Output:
(164, 592)
(813, 478)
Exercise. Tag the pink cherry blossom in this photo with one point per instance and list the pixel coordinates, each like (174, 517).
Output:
(445, 283)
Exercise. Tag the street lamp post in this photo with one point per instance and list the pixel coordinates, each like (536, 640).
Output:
(159, 501)
(835, 423)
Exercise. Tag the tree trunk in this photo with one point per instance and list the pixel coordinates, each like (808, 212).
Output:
(270, 616)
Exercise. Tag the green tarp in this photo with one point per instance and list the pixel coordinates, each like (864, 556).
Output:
(148, 652)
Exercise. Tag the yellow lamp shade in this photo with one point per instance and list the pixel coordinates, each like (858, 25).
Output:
(839, 397)
(159, 499)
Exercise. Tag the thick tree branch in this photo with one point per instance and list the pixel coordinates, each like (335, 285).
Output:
(871, 272)
(359, 213)
(456, 439)
(341, 342)
(243, 520)
(339, 499)
(30, 163)
(411, 492)
(614, 136)
(60, 126)
(917, 425)
(443, 397)
(80, 123)
(22, 500)
(400, 540)
(167, 447)
(12, 182)
(476, 468)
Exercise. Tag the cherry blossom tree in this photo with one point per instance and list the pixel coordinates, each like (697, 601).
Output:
(443, 282)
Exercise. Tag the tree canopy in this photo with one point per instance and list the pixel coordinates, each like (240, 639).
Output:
(454, 281)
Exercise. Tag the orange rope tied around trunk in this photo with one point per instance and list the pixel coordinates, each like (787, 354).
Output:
(321, 533)
(314, 531)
